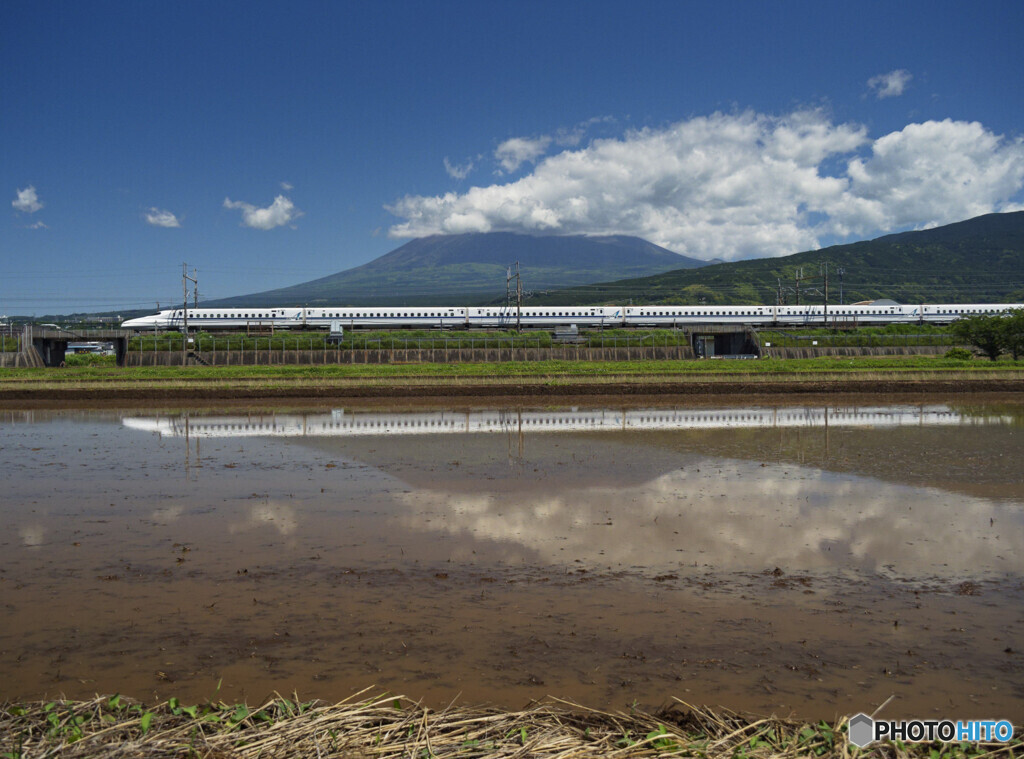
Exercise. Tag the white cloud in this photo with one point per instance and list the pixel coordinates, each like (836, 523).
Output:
(514, 152)
(287, 186)
(571, 137)
(38, 225)
(27, 200)
(930, 174)
(742, 185)
(455, 171)
(161, 218)
(282, 211)
(890, 85)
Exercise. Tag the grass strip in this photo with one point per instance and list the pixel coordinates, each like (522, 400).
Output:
(771, 376)
(779, 367)
(389, 726)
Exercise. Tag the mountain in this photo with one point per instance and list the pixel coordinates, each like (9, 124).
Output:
(979, 260)
(457, 269)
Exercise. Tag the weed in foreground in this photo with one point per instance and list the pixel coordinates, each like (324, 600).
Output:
(389, 726)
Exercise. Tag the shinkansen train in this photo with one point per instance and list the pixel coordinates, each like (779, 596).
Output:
(549, 317)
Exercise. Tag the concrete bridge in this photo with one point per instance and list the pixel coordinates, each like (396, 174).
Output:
(47, 346)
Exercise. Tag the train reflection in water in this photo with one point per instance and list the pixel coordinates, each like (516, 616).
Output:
(340, 422)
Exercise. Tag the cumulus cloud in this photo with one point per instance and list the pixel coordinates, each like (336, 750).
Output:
(282, 211)
(890, 85)
(930, 174)
(161, 218)
(38, 225)
(456, 171)
(287, 186)
(514, 152)
(27, 200)
(742, 185)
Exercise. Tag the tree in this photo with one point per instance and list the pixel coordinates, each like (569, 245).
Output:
(1012, 327)
(983, 332)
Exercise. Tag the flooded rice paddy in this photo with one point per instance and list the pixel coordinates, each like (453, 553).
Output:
(809, 559)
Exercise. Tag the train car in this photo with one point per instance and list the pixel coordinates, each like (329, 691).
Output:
(302, 318)
(950, 312)
(595, 317)
(430, 317)
(673, 316)
(218, 318)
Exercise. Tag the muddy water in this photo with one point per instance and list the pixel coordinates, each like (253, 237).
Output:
(811, 559)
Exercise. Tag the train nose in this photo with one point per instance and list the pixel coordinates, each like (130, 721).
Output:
(142, 322)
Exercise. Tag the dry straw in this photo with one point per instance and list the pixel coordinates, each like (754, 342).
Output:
(387, 726)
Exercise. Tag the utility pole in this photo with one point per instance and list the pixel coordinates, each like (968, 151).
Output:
(825, 310)
(185, 279)
(519, 299)
(509, 276)
(841, 271)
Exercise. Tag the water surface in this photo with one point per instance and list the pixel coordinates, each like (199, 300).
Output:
(791, 558)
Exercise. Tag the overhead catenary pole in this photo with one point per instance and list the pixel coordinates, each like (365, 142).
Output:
(825, 310)
(184, 311)
(519, 299)
(185, 279)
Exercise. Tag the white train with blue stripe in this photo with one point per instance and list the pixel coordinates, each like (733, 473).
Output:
(549, 317)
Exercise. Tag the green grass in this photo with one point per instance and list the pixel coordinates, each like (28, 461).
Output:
(610, 338)
(781, 368)
(890, 335)
(89, 359)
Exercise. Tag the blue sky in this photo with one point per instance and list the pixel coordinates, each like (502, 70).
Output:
(267, 144)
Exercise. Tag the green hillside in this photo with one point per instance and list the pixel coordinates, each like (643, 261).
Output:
(978, 260)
